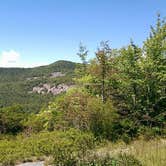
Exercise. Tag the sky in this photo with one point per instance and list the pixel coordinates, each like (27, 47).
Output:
(40, 32)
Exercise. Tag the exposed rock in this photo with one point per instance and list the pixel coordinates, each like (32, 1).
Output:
(57, 74)
(38, 89)
(59, 89)
(47, 88)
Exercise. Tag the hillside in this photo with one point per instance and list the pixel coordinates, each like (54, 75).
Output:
(34, 87)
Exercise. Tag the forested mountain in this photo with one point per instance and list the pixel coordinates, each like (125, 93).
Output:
(17, 85)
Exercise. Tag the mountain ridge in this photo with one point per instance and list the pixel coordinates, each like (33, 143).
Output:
(58, 61)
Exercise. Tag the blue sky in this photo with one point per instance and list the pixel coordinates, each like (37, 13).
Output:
(38, 32)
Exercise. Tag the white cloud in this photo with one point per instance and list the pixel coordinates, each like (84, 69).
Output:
(12, 58)
(9, 58)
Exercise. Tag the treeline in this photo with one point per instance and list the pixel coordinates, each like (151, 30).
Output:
(120, 94)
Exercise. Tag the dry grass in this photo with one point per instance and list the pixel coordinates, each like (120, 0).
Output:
(150, 153)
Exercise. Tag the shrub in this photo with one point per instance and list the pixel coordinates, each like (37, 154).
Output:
(128, 160)
(78, 109)
(11, 119)
(44, 144)
(70, 159)
(103, 118)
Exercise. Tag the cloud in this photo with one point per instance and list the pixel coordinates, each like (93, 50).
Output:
(12, 58)
(9, 58)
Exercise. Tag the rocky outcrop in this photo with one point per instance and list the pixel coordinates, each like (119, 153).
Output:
(47, 88)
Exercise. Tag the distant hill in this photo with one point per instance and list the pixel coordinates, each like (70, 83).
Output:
(34, 87)
(21, 73)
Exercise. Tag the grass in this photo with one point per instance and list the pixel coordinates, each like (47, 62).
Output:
(62, 147)
(150, 153)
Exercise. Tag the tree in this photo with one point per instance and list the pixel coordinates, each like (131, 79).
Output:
(102, 57)
(11, 119)
(154, 64)
(83, 53)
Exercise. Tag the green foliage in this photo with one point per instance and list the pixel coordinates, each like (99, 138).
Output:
(120, 94)
(11, 119)
(94, 160)
(154, 65)
(17, 83)
(78, 109)
(134, 80)
(120, 160)
(103, 119)
(83, 52)
(43, 144)
(68, 154)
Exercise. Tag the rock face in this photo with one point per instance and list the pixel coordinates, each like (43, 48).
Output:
(47, 88)
(59, 89)
(39, 90)
(50, 88)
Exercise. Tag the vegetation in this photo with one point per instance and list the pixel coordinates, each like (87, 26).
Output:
(118, 95)
(17, 83)
(40, 145)
(11, 119)
(150, 152)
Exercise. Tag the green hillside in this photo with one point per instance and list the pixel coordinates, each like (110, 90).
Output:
(17, 83)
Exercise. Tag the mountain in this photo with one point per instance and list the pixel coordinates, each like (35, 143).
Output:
(35, 87)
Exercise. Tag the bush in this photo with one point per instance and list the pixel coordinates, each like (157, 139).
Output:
(70, 159)
(150, 133)
(128, 160)
(11, 119)
(44, 144)
(121, 160)
(79, 110)
(103, 119)
(128, 130)
(68, 151)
